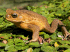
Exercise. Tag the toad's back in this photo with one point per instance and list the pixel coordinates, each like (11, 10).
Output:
(34, 15)
(35, 18)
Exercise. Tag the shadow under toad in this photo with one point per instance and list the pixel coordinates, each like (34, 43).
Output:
(16, 31)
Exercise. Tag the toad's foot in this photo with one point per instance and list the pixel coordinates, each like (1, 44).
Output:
(66, 34)
(41, 40)
(33, 40)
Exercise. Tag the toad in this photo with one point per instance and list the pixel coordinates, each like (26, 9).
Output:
(34, 22)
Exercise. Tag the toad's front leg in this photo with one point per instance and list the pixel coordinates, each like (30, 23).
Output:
(35, 29)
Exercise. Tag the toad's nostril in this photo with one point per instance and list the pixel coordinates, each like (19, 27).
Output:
(7, 15)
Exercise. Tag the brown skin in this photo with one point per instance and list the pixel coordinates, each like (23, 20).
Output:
(34, 22)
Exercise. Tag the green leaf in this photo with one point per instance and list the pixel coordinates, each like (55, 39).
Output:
(11, 48)
(42, 33)
(2, 50)
(4, 35)
(1, 19)
(23, 37)
(48, 49)
(59, 38)
(29, 50)
(64, 46)
(45, 44)
(66, 22)
(63, 42)
(43, 8)
(10, 41)
(53, 36)
(16, 40)
(19, 42)
(2, 44)
(46, 36)
(25, 47)
(29, 8)
(68, 50)
(18, 47)
(52, 42)
(59, 33)
(2, 11)
(34, 44)
(49, 19)
(36, 50)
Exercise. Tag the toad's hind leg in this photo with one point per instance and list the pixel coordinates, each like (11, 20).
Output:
(54, 26)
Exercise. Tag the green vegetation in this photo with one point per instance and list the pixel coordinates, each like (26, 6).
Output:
(14, 40)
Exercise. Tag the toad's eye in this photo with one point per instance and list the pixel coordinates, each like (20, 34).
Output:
(14, 15)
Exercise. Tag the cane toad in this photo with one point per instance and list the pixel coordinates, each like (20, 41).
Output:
(34, 22)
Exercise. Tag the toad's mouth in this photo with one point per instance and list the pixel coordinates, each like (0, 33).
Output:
(15, 20)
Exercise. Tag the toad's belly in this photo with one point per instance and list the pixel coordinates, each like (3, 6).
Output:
(22, 26)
